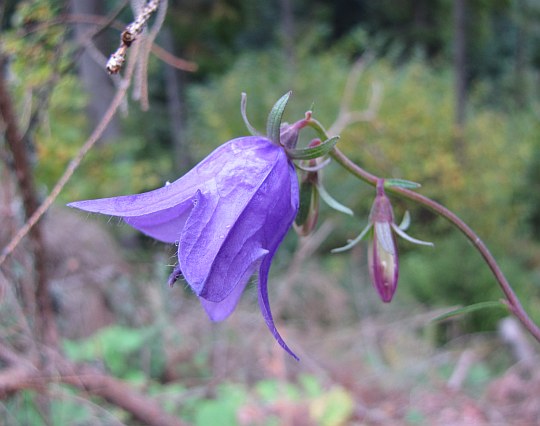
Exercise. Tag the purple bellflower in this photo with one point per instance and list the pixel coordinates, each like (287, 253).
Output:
(383, 261)
(228, 216)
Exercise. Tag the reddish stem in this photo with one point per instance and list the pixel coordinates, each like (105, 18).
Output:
(512, 301)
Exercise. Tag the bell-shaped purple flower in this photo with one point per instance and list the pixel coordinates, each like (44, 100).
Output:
(228, 216)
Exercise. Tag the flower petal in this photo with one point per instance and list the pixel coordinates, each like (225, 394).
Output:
(264, 304)
(383, 269)
(218, 311)
(280, 215)
(162, 213)
(385, 236)
(229, 228)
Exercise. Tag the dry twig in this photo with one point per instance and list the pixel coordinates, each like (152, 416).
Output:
(347, 117)
(128, 36)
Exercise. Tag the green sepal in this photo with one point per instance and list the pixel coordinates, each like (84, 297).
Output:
(406, 221)
(314, 152)
(368, 230)
(332, 202)
(273, 125)
(243, 111)
(401, 183)
(306, 197)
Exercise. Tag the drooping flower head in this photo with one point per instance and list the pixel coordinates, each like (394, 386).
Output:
(383, 262)
(228, 216)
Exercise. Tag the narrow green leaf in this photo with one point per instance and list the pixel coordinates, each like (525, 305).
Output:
(273, 125)
(469, 309)
(314, 152)
(401, 183)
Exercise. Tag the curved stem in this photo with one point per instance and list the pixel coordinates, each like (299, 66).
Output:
(512, 301)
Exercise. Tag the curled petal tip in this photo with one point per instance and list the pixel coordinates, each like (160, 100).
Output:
(175, 276)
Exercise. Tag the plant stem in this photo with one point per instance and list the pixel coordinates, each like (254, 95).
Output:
(512, 301)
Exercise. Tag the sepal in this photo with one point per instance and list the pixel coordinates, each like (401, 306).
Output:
(243, 111)
(311, 153)
(308, 212)
(273, 125)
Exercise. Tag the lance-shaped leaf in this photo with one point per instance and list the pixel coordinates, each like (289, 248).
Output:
(311, 153)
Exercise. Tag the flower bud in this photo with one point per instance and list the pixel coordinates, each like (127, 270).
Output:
(382, 250)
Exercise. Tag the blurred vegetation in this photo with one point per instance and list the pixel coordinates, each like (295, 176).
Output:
(239, 45)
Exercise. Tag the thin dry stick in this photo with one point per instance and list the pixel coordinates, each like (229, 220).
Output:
(346, 117)
(161, 53)
(75, 162)
(141, 79)
(128, 36)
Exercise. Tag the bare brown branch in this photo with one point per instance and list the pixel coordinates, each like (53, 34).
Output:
(17, 146)
(74, 163)
(118, 393)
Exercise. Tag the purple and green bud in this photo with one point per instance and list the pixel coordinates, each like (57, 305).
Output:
(382, 250)
(383, 262)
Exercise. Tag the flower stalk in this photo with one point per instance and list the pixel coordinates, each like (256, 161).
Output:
(512, 301)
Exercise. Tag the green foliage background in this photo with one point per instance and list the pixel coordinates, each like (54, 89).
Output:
(412, 137)
(492, 183)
